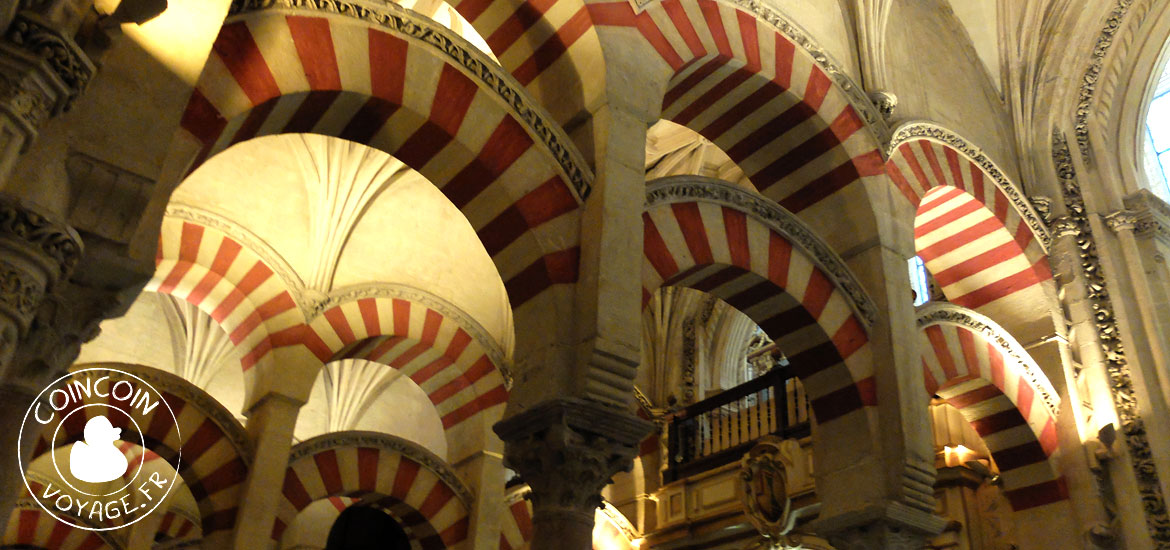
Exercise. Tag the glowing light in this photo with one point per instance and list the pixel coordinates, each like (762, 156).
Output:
(957, 455)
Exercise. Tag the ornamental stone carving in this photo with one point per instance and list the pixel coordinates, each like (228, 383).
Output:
(764, 479)
(37, 253)
(1125, 400)
(491, 75)
(889, 526)
(567, 450)
(927, 130)
(675, 189)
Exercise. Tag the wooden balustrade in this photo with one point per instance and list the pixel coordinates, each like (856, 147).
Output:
(720, 429)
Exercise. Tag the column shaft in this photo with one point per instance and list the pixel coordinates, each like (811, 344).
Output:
(270, 424)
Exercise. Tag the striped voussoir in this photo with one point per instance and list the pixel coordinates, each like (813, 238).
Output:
(729, 254)
(763, 99)
(989, 378)
(228, 281)
(293, 71)
(177, 528)
(383, 471)
(213, 463)
(516, 523)
(978, 243)
(418, 530)
(30, 527)
(456, 370)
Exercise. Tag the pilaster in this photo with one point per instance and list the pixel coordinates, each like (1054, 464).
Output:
(270, 425)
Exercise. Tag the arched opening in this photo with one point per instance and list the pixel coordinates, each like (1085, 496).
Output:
(366, 528)
(1156, 137)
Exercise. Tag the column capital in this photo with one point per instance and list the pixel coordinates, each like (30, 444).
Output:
(887, 526)
(36, 253)
(567, 450)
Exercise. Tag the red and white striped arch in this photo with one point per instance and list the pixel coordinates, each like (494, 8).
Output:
(215, 448)
(516, 523)
(417, 528)
(983, 372)
(460, 373)
(382, 470)
(979, 243)
(177, 528)
(296, 70)
(30, 527)
(729, 253)
(762, 98)
(231, 283)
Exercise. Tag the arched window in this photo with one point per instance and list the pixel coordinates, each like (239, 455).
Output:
(1157, 142)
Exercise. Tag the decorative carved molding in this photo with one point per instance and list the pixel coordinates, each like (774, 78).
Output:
(1093, 74)
(888, 526)
(1145, 215)
(939, 313)
(1043, 206)
(567, 450)
(860, 101)
(52, 239)
(885, 102)
(1109, 335)
(63, 56)
(23, 101)
(426, 32)
(677, 189)
(928, 130)
(387, 442)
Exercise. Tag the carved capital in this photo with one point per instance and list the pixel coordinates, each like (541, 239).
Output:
(41, 72)
(885, 102)
(37, 253)
(567, 451)
(890, 526)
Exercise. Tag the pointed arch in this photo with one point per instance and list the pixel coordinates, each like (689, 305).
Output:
(982, 371)
(516, 176)
(717, 238)
(216, 450)
(976, 231)
(383, 470)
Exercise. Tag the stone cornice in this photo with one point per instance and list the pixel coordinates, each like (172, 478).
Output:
(937, 313)
(423, 31)
(354, 439)
(928, 130)
(675, 189)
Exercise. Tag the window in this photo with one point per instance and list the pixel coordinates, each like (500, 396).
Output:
(918, 281)
(1157, 142)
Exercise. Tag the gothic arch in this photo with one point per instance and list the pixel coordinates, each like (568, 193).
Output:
(517, 179)
(383, 471)
(982, 371)
(216, 451)
(748, 80)
(717, 238)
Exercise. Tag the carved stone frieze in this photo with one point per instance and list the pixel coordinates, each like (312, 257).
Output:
(44, 71)
(567, 450)
(938, 313)
(1132, 429)
(927, 130)
(676, 189)
(355, 439)
(462, 53)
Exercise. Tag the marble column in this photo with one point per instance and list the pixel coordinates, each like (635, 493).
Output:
(567, 450)
(270, 425)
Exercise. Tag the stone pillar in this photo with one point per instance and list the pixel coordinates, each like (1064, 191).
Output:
(270, 425)
(567, 450)
(485, 471)
(890, 526)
